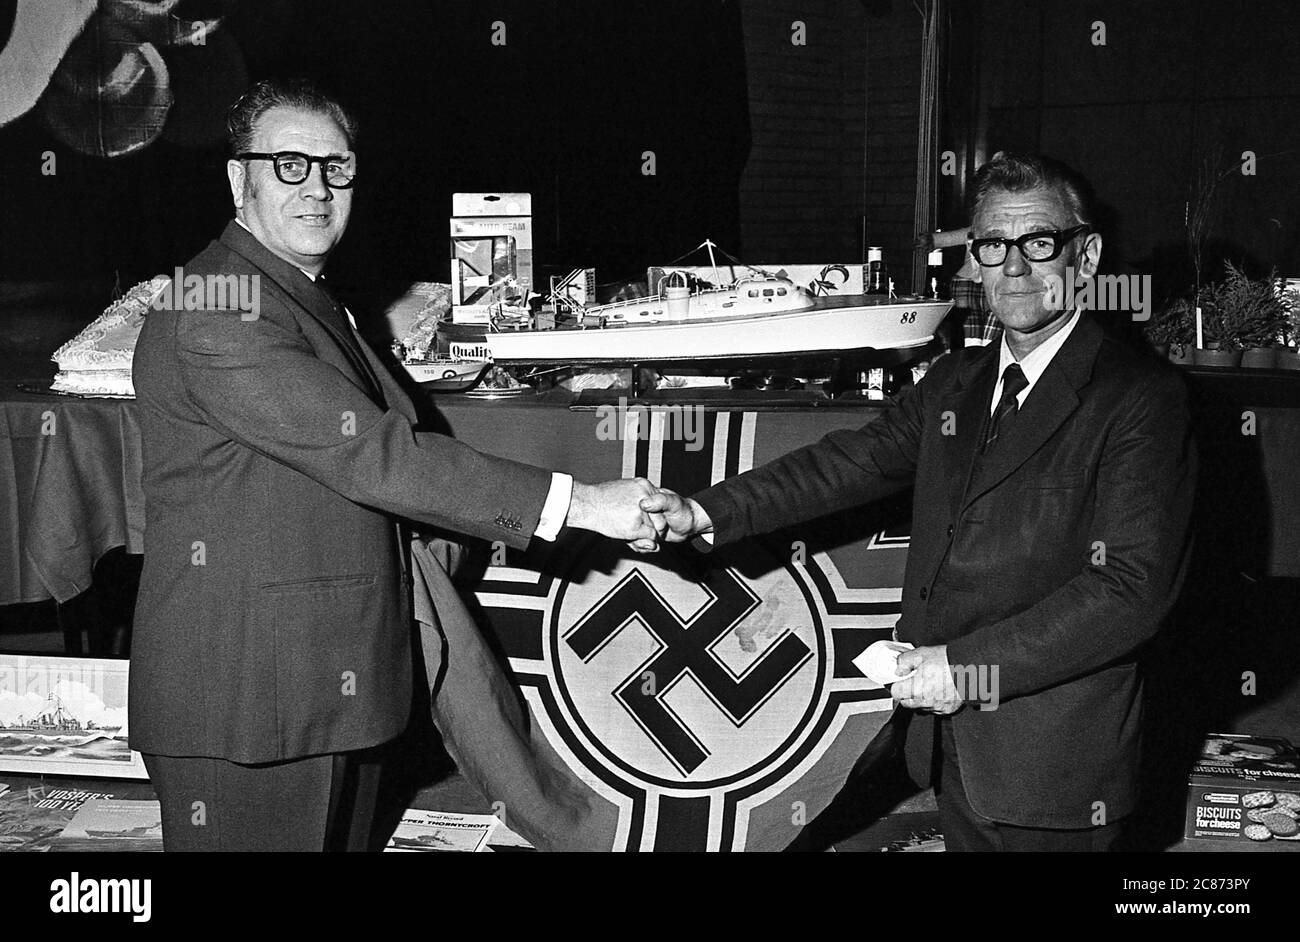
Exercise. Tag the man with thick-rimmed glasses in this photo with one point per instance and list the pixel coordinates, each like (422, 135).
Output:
(1053, 475)
(272, 647)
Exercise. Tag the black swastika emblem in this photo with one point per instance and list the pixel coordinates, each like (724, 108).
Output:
(686, 648)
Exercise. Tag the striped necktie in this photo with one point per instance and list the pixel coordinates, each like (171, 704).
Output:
(1013, 383)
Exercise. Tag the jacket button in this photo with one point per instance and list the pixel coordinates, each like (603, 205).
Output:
(950, 530)
(925, 593)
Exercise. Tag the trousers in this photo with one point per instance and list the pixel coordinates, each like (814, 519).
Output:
(211, 804)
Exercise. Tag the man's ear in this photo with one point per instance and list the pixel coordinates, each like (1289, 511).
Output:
(975, 268)
(237, 173)
(1090, 257)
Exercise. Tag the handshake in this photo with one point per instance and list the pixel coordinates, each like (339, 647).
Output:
(637, 512)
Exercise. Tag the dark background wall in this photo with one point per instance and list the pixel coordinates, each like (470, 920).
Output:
(775, 151)
(806, 194)
(564, 110)
(1174, 84)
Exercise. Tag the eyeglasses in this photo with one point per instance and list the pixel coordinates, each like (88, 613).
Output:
(1034, 246)
(293, 168)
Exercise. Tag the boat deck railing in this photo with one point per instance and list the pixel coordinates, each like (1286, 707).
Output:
(633, 302)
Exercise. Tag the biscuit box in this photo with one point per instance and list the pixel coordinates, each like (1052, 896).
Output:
(1245, 790)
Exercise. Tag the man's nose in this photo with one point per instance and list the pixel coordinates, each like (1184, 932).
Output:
(1015, 264)
(315, 185)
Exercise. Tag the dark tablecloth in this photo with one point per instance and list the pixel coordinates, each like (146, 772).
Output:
(70, 471)
(70, 468)
(69, 491)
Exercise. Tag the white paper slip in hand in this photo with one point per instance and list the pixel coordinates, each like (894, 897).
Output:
(879, 661)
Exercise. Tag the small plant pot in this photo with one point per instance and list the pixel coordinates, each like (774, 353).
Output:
(1287, 359)
(1259, 358)
(1215, 357)
(1180, 353)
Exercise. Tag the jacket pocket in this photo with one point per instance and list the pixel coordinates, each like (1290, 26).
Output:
(324, 641)
(1051, 482)
(341, 582)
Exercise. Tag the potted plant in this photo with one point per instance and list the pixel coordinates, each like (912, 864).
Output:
(1219, 330)
(1244, 320)
(1172, 331)
(1287, 356)
(1262, 316)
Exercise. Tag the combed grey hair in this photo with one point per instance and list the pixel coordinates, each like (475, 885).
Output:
(300, 93)
(1019, 173)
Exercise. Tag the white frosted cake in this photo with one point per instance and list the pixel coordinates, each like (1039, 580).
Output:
(97, 362)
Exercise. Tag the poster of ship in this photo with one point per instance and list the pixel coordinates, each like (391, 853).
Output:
(65, 716)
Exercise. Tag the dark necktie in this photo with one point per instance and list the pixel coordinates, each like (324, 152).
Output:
(1013, 383)
(352, 344)
(338, 317)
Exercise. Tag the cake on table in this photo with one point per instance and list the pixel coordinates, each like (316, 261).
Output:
(97, 362)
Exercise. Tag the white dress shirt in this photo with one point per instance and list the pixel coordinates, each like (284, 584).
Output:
(1034, 363)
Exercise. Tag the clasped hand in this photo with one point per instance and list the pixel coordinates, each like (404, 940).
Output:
(637, 512)
(929, 684)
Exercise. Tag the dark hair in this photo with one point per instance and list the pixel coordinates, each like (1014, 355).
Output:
(1019, 173)
(301, 93)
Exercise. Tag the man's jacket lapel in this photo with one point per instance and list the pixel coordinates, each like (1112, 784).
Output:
(1052, 400)
(967, 408)
(305, 294)
(393, 394)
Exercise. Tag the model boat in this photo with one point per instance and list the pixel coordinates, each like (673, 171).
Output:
(445, 374)
(760, 315)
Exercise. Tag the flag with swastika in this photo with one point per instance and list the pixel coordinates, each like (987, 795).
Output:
(676, 701)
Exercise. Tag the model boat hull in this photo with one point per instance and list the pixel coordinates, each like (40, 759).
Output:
(831, 326)
(446, 375)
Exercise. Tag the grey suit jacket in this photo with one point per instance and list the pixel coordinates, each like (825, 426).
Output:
(1049, 561)
(273, 620)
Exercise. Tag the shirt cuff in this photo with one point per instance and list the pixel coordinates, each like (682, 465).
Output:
(556, 508)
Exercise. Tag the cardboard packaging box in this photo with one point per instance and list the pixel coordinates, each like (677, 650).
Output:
(1245, 790)
(491, 252)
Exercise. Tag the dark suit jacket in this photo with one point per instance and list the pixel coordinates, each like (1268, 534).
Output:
(273, 620)
(1006, 564)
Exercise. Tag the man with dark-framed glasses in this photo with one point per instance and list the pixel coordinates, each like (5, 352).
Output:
(293, 167)
(283, 474)
(1053, 475)
(1038, 246)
